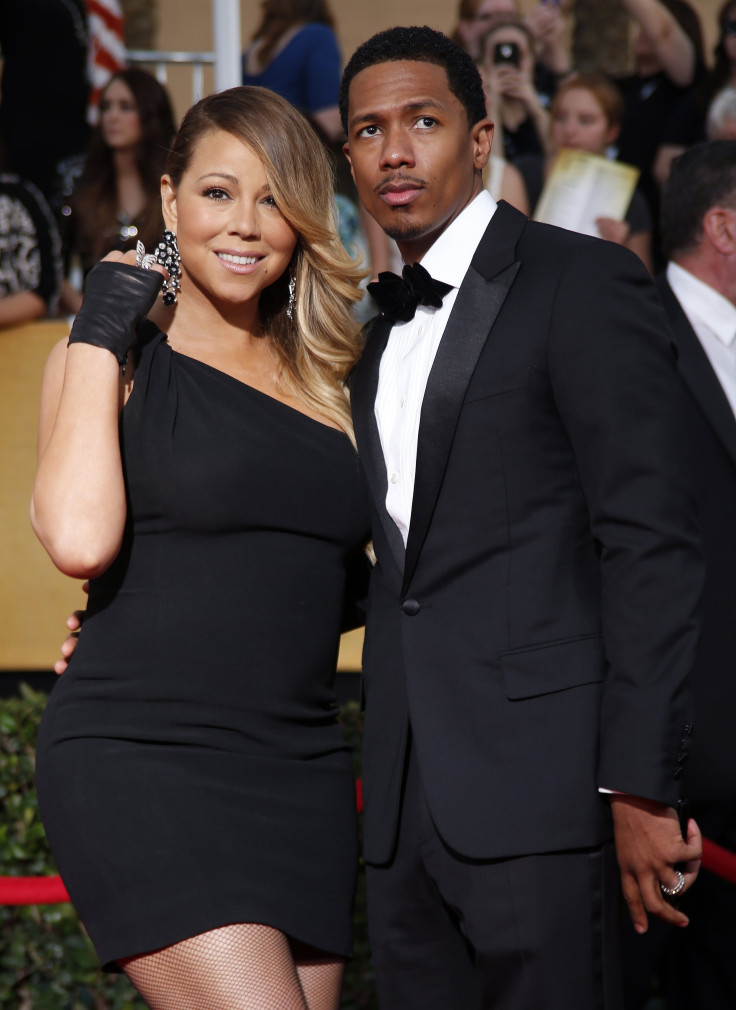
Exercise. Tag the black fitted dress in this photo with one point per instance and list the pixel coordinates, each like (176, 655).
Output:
(190, 769)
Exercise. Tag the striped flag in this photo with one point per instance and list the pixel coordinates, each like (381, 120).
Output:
(106, 48)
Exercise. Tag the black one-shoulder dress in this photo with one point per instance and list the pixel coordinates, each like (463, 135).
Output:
(191, 772)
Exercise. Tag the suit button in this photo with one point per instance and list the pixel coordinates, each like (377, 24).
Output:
(688, 728)
(682, 757)
(678, 771)
(411, 607)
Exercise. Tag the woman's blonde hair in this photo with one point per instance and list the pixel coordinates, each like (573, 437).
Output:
(317, 348)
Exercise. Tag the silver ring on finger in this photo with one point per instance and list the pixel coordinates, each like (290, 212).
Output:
(142, 258)
(670, 892)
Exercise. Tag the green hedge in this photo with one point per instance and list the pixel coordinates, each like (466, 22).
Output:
(46, 960)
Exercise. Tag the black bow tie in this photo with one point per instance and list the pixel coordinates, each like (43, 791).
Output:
(398, 297)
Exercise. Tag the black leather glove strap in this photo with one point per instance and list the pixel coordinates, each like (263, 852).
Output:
(116, 296)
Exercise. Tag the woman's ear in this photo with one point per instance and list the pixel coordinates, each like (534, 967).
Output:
(168, 202)
(612, 135)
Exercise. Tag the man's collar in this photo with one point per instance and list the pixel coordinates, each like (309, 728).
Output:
(450, 256)
(701, 300)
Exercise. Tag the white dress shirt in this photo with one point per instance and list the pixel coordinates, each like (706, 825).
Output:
(410, 353)
(713, 317)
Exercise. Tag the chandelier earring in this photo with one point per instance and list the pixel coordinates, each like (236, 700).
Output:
(292, 297)
(167, 254)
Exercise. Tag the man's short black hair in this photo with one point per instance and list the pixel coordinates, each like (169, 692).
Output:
(701, 178)
(425, 45)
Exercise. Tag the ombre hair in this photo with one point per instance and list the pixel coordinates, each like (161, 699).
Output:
(317, 348)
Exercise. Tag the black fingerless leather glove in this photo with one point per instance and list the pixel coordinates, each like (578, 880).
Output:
(116, 297)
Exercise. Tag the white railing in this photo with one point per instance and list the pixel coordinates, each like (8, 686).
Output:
(225, 59)
(162, 59)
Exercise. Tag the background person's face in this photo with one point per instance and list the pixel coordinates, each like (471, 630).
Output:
(579, 122)
(119, 119)
(486, 12)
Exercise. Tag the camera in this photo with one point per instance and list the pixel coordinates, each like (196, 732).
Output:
(506, 52)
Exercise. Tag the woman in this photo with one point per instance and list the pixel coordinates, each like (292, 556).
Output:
(688, 125)
(118, 200)
(295, 54)
(475, 17)
(195, 788)
(586, 116)
(545, 21)
(668, 59)
(515, 107)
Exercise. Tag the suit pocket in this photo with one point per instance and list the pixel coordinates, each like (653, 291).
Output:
(483, 386)
(553, 666)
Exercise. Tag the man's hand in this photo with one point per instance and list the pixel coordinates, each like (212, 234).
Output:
(649, 845)
(74, 624)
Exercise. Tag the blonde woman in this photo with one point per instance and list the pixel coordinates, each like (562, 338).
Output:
(194, 785)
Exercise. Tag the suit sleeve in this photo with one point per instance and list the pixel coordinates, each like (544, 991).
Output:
(616, 388)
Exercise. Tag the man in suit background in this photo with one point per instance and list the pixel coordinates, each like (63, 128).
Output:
(698, 291)
(531, 618)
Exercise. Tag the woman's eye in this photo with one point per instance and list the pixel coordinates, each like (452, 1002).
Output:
(215, 193)
(270, 202)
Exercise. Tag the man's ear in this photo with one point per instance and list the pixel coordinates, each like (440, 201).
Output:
(482, 137)
(346, 152)
(168, 203)
(719, 227)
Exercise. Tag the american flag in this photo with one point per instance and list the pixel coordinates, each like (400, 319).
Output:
(106, 47)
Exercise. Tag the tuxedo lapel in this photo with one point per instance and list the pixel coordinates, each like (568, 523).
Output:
(698, 374)
(363, 388)
(477, 305)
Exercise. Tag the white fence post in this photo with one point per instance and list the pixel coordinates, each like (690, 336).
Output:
(226, 32)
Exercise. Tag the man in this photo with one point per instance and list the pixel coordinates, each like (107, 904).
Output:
(530, 620)
(699, 295)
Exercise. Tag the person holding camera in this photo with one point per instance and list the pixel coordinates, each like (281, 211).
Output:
(515, 106)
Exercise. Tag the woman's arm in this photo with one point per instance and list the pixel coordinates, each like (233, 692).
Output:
(78, 507)
(78, 503)
(672, 46)
(547, 25)
(513, 189)
(21, 307)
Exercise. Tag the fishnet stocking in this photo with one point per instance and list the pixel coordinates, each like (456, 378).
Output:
(245, 966)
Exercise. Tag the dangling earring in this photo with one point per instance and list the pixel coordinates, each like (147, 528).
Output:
(292, 297)
(167, 254)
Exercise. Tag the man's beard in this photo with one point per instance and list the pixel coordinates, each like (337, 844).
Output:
(404, 231)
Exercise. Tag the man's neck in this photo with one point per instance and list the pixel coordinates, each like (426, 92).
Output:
(413, 250)
(713, 270)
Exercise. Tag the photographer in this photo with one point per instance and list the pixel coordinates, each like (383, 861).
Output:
(515, 106)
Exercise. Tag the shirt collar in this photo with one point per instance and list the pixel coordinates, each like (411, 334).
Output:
(702, 302)
(449, 257)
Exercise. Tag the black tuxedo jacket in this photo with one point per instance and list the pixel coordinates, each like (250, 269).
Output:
(538, 629)
(710, 436)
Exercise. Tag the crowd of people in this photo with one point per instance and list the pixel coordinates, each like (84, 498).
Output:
(672, 100)
(521, 474)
